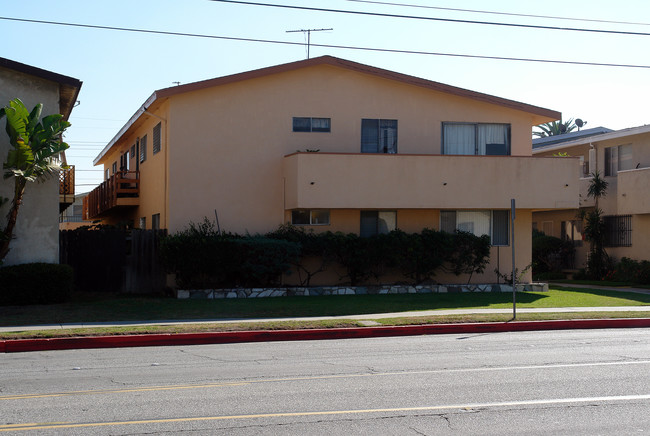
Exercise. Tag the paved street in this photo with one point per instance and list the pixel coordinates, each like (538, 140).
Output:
(546, 382)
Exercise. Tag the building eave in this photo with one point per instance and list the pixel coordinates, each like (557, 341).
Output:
(541, 114)
(630, 131)
(69, 87)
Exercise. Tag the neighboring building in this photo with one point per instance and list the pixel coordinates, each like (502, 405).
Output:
(335, 145)
(571, 136)
(622, 158)
(72, 217)
(36, 236)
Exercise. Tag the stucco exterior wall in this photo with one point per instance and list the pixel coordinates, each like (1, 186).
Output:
(237, 135)
(36, 237)
(152, 171)
(627, 192)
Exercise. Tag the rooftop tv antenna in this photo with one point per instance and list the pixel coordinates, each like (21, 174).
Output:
(580, 123)
(308, 32)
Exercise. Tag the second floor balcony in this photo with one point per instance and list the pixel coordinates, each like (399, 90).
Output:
(632, 192)
(377, 181)
(122, 189)
(66, 187)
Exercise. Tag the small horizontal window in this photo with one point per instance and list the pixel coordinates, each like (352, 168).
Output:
(315, 217)
(308, 124)
(478, 222)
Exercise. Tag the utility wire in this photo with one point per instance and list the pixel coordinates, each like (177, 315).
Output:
(449, 20)
(342, 47)
(509, 14)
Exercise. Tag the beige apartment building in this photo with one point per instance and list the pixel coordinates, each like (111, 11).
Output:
(622, 158)
(331, 144)
(36, 235)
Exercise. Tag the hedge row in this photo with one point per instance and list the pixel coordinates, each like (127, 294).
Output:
(35, 283)
(203, 258)
(630, 270)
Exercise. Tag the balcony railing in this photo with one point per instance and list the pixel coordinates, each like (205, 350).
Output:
(121, 189)
(66, 187)
(66, 181)
(394, 181)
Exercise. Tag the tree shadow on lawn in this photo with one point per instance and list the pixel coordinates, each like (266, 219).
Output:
(341, 305)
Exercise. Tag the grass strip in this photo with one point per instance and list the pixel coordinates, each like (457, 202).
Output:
(317, 324)
(116, 308)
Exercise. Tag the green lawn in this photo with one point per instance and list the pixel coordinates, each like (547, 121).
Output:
(106, 308)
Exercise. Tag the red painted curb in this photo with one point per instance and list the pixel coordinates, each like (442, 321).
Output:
(23, 345)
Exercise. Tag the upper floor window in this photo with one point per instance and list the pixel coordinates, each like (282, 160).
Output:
(308, 124)
(476, 139)
(155, 147)
(378, 136)
(114, 167)
(143, 148)
(493, 223)
(375, 222)
(617, 159)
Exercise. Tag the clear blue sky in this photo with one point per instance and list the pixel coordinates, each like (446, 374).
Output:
(121, 69)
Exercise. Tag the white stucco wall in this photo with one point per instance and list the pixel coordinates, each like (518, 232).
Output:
(36, 236)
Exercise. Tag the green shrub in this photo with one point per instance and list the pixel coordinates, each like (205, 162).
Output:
(261, 261)
(629, 270)
(203, 258)
(545, 276)
(550, 254)
(470, 254)
(35, 283)
(317, 247)
(419, 255)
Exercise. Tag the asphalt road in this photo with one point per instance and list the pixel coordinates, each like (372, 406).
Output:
(549, 382)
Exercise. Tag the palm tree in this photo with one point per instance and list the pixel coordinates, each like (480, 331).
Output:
(597, 187)
(555, 128)
(594, 229)
(34, 146)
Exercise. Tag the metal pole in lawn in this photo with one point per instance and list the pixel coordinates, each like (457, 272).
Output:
(514, 289)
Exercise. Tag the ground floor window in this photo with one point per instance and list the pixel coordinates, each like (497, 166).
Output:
(314, 217)
(493, 223)
(155, 221)
(618, 230)
(572, 231)
(143, 223)
(375, 222)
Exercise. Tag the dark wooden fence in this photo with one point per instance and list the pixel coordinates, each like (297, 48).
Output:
(113, 260)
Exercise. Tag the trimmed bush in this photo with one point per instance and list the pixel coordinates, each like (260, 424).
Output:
(630, 270)
(550, 254)
(202, 258)
(35, 283)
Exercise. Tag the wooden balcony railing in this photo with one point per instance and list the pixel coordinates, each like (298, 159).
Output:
(66, 187)
(119, 190)
(66, 181)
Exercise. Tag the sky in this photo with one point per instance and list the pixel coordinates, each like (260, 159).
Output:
(121, 69)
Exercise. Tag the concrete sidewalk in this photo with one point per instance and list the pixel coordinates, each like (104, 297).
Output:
(363, 317)
(372, 329)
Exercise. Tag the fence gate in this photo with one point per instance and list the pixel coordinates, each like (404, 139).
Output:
(113, 260)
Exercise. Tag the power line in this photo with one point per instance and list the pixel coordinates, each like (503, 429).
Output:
(341, 47)
(449, 20)
(509, 14)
